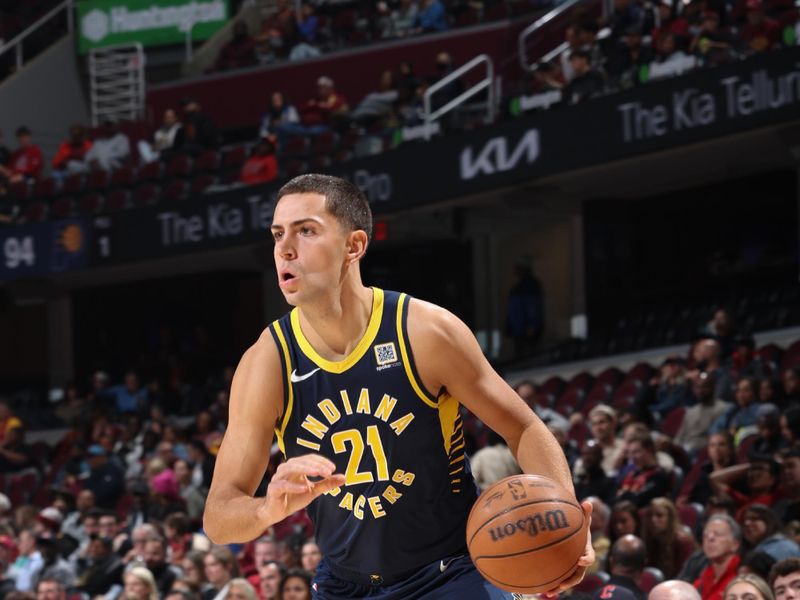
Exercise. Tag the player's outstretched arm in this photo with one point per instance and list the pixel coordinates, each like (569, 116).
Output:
(448, 356)
(232, 513)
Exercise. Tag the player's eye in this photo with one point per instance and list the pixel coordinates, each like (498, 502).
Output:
(277, 235)
(306, 230)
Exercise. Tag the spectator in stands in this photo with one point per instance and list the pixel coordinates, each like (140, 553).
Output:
(155, 557)
(271, 574)
(203, 462)
(15, 454)
(378, 105)
(769, 441)
(626, 561)
(50, 589)
(493, 462)
(26, 161)
(586, 82)
(784, 579)
(310, 556)
(761, 478)
(629, 57)
(400, 22)
(102, 569)
(139, 585)
(29, 561)
(791, 386)
(761, 33)
(744, 414)
(130, 396)
(444, 67)
(770, 391)
(751, 587)
(262, 166)
(694, 430)
(525, 308)
(593, 481)
(667, 54)
(757, 563)
(721, 540)
(110, 150)
(307, 30)
(527, 391)
(721, 455)
(296, 585)
(279, 32)
(199, 130)
(625, 520)
(279, 113)
(71, 155)
(626, 14)
(646, 480)
(167, 140)
(761, 532)
(745, 361)
(707, 358)
(603, 423)
(8, 420)
(240, 589)
(431, 17)
(54, 567)
(328, 110)
(407, 81)
(722, 326)
(220, 568)
(669, 543)
(239, 52)
(673, 590)
(106, 479)
(672, 387)
(191, 494)
(194, 570)
(601, 543)
(788, 507)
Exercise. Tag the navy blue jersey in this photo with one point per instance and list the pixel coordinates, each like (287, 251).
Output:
(408, 486)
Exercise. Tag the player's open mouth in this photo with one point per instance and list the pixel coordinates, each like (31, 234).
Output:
(285, 277)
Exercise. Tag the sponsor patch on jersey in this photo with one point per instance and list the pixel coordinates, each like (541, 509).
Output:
(385, 354)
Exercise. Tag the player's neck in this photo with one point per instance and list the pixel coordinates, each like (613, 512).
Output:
(335, 324)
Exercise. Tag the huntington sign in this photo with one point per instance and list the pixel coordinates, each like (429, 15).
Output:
(149, 22)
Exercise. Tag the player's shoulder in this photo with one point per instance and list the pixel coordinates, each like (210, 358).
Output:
(433, 323)
(263, 353)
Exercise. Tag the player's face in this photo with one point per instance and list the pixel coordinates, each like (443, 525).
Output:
(310, 247)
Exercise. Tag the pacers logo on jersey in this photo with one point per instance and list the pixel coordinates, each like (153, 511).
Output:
(386, 356)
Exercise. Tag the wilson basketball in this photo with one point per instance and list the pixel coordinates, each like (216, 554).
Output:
(526, 533)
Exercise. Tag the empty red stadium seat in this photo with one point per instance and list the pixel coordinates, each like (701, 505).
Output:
(179, 166)
(672, 422)
(569, 402)
(62, 208)
(791, 357)
(35, 212)
(72, 184)
(294, 168)
(650, 578)
(118, 199)
(207, 162)
(150, 171)
(122, 177)
(97, 180)
(234, 157)
(690, 514)
(176, 190)
(325, 143)
(295, 147)
(92, 203)
(145, 195)
(20, 190)
(45, 187)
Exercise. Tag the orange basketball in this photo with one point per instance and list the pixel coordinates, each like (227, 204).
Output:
(526, 533)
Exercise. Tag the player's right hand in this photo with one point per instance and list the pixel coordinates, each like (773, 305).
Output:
(292, 489)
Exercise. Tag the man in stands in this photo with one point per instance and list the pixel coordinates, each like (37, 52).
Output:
(694, 431)
(721, 540)
(791, 386)
(111, 149)
(626, 563)
(593, 481)
(50, 589)
(603, 423)
(586, 82)
(322, 113)
(71, 155)
(784, 579)
(26, 161)
(646, 480)
(673, 590)
(431, 17)
(788, 507)
(761, 32)
(708, 359)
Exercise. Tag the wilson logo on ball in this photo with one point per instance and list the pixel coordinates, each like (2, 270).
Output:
(552, 520)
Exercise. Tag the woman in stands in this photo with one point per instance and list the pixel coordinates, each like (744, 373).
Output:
(697, 486)
(748, 587)
(139, 585)
(624, 520)
(669, 543)
(296, 586)
(761, 532)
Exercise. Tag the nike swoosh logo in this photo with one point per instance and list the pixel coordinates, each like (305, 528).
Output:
(298, 378)
(443, 565)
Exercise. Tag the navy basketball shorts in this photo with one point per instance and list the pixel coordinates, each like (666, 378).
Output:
(454, 578)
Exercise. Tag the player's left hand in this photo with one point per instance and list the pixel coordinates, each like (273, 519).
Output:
(585, 561)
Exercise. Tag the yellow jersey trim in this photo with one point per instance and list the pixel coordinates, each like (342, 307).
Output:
(448, 413)
(290, 400)
(404, 353)
(358, 352)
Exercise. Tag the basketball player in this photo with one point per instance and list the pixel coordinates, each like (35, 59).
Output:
(362, 388)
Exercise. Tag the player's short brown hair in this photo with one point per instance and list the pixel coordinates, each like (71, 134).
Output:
(342, 199)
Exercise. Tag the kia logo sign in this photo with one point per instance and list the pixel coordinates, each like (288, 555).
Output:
(495, 157)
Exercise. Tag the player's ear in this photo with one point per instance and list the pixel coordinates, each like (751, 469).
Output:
(356, 245)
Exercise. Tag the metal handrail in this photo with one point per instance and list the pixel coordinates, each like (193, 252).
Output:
(16, 41)
(485, 83)
(522, 40)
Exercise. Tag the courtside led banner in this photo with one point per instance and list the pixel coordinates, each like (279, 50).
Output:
(104, 23)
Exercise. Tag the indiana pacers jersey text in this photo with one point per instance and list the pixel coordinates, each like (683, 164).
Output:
(408, 486)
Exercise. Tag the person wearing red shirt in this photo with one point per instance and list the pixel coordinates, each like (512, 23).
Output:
(71, 154)
(761, 33)
(721, 540)
(326, 107)
(26, 161)
(262, 166)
